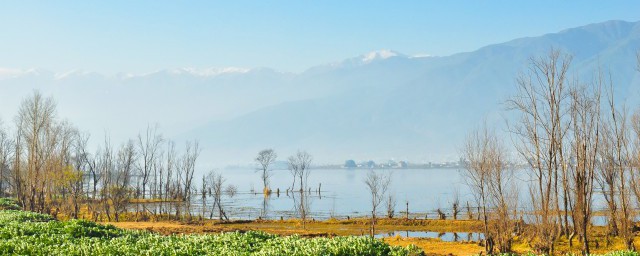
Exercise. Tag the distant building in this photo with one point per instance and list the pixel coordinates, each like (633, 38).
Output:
(404, 164)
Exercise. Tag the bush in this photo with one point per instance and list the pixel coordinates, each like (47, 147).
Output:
(9, 204)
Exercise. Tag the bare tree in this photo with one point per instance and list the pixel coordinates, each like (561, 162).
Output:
(299, 166)
(120, 188)
(265, 158)
(106, 168)
(489, 178)
(64, 174)
(35, 123)
(188, 167)
(378, 184)
(216, 183)
(6, 155)
(171, 183)
(616, 158)
(477, 156)
(607, 178)
(542, 101)
(585, 116)
(149, 147)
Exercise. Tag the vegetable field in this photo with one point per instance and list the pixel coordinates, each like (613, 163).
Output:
(27, 233)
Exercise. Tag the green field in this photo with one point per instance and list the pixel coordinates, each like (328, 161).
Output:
(27, 233)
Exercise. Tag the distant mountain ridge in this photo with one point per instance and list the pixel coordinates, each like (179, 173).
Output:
(378, 106)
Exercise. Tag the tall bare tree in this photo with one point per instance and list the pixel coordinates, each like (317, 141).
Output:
(542, 101)
(187, 169)
(585, 120)
(6, 156)
(616, 158)
(378, 184)
(476, 153)
(120, 190)
(488, 176)
(149, 149)
(265, 159)
(106, 169)
(299, 166)
(35, 123)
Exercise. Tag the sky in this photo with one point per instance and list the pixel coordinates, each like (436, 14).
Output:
(145, 36)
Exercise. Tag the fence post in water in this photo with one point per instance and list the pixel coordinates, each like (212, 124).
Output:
(407, 215)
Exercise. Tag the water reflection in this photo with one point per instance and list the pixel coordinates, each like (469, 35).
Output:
(443, 236)
(340, 194)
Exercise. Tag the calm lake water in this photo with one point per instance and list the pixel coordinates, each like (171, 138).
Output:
(443, 236)
(343, 193)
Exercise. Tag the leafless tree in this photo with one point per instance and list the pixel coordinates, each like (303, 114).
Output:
(216, 183)
(299, 167)
(265, 158)
(378, 184)
(35, 123)
(489, 178)
(106, 168)
(76, 183)
(148, 147)
(120, 188)
(477, 155)
(64, 176)
(607, 178)
(187, 169)
(616, 158)
(585, 120)
(6, 156)
(231, 190)
(542, 101)
(171, 183)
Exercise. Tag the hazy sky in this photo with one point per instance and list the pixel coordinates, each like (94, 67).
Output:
(144, 36)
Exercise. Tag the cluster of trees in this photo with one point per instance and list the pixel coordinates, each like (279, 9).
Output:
(577, 141)
(46, 164)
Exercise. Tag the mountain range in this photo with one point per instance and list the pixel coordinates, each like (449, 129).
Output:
(381, 105)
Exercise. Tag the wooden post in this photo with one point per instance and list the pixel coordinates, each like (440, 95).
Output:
(407, 214)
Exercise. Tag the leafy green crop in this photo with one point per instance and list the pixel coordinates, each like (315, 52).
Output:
(8, 204)
(27, 233)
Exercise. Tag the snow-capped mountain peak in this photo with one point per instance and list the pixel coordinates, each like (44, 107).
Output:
(379, 55)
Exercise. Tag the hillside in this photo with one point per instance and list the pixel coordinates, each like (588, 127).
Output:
(380, 105)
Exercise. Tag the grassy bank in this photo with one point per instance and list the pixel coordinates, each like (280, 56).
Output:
(27, 233)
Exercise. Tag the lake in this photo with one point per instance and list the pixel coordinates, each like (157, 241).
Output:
(343, 192)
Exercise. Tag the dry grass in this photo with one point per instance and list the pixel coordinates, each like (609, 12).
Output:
(360, 226)
(330, 228)
(436, 247)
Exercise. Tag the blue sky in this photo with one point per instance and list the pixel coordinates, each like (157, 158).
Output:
(145, 36)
